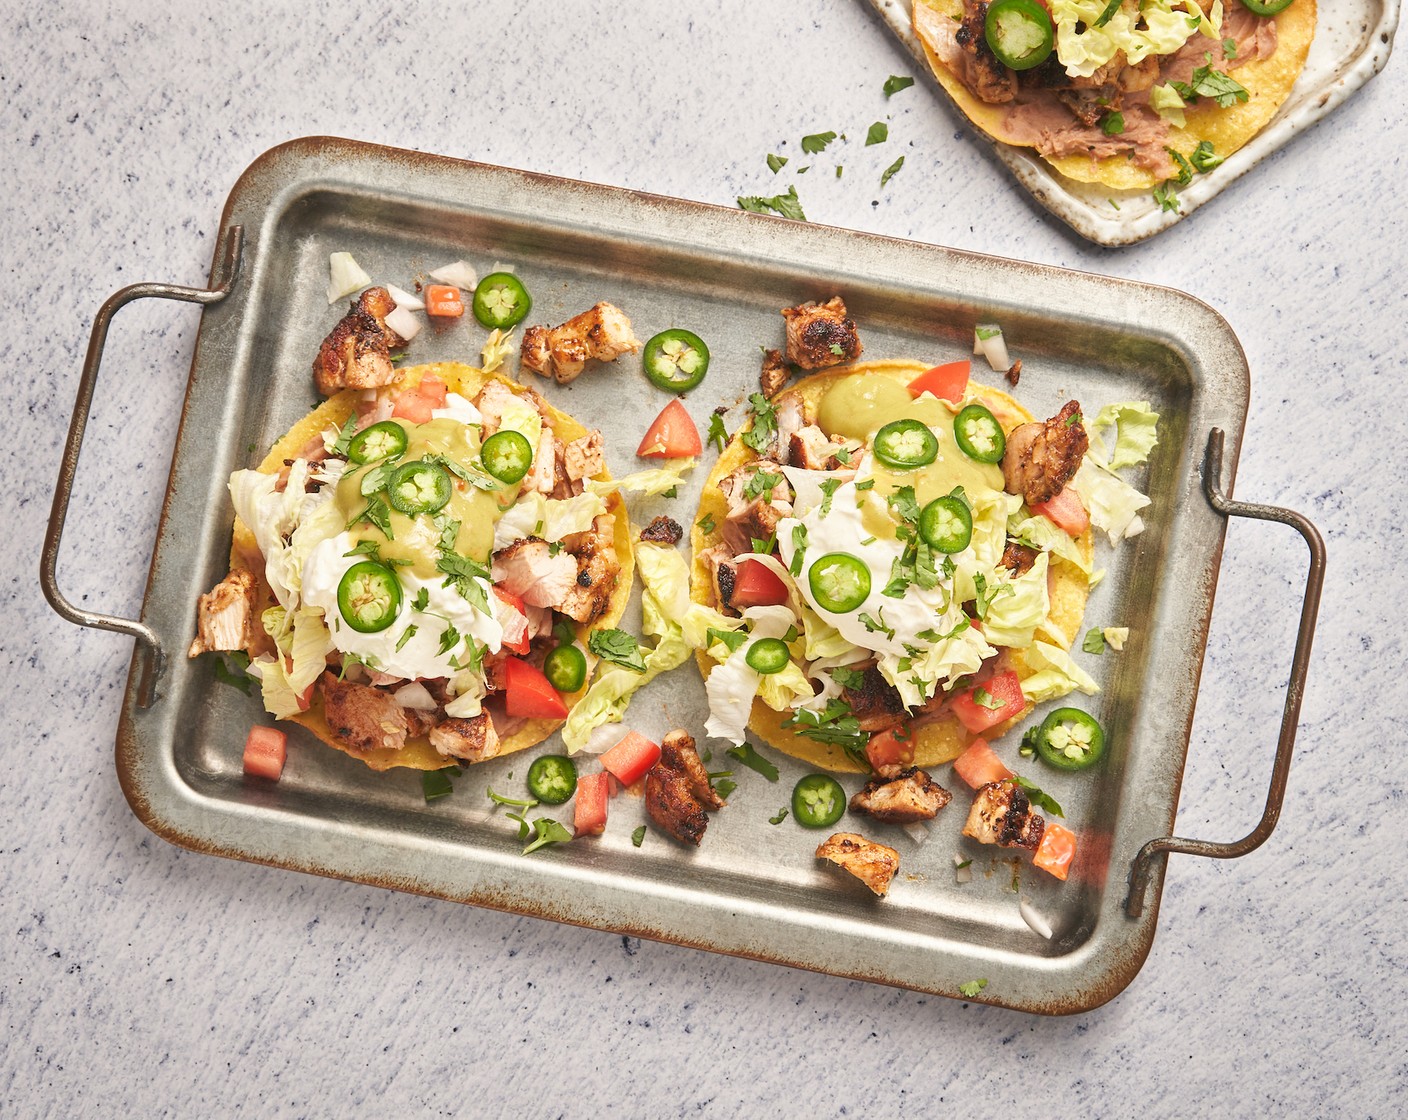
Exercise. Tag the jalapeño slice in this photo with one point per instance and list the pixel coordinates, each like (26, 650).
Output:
(906, 445)
(768, 656)
(552, 779)
(566, 668)
(979, 435)
(501, 301)
(419, 487)
(839, 582)
(369, 596)
(1266, 7)
(1070, 739)
(1019, 32)
(507, 455)
(381, 441)
(675, 360)
(946, 524)
(818, 801)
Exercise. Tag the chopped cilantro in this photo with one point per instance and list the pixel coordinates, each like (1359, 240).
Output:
(638, 836)
(1167, 197)
(985, 699)
(750, 758)
(759, 436)
(718, 434)
(1039, 797)
(889, 172)
(799, 548)
(788, 205)
(853, 679)
(618, 647)
(344, 438)
(761, 485)
(834, 725)
(1094, 640)
(468, 577)
(449, 639)
(780, 817)
(1229, 49)
(406, 636)
(972, 988)
(1112, 124)
(706, 523)
(896, 82)
(829, 486)
(731, 638)
(776, 163)
(905, 505)
(422, 599)
(817, 142)
(549, 832)
(1204, 158)
(1185, 169)
(500, 799)
(234, 677)
(435, 784)
(876, 625)
(724, 788)
(878, 134)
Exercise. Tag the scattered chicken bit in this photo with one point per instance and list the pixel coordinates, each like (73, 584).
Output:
(677, 790)
(775, 372)
(873, 864)
(495, 398)
(990, 81)
(876, 704)
(548, 470)
(362, 717)
(911, 796)
(821, 335)
(723, 574)
(1018, 558)
(1042, 457)
(1014, 373)
(225, 614)
(663, 530)
(790, 411)
(754, 516)
(1002, 814)
(357, 354)
(528, 569)
(585, 457)
(471, 739)
(601, 334)
(594, 553)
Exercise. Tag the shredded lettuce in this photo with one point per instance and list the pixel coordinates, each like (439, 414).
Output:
(1044, 535)
(498, 346)
(1013, 619)
(469, 689)
(733, 685)
(651, 482)
(1136, 434)
(1084, 45)
(1165, 101)
(1056, 674)
(520, 416)
(1112, 503)
(551, 519)
(302, 638)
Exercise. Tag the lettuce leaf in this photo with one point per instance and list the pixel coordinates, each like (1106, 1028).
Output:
(1013, 619)
(1044, 535)
(1136, 434)
(1056, 674)
(651, 482)
(1112, 503)
(551, 519)
(1152, 27)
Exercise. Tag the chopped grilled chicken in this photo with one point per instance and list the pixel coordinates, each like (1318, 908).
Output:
(663, 530)
(981, 72)
(820, 334)
(775, 372)
(790, 412)
(811, 450)
(1017, 558)
(756, 515)
(876, 704)
(594, 553)
(472, 739)
(910, 796)
(547, 471)
(601, 334)
(873, 864)
(677, 790)
(225, 614)
(585, 457)
(1002, 814)
(528, 569)
(494, 398)
(1042, 457)
(723, 574)
(357, 354)
(362, 717)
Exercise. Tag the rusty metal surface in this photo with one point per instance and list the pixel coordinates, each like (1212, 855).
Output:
(752, 889)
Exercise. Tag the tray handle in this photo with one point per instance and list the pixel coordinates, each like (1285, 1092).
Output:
(151, 654)
(1142, 867)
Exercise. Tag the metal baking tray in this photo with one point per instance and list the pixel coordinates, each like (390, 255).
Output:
(751, 889)
(1352, 44)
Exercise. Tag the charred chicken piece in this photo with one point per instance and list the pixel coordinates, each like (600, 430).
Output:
(585, 457)
(225, 615)
(357, 354)
(1018, 558)
(362, 717)
(876, 704)
(472, 739)
(1002, 815)
(663, 530)
(775, 372)
(597, 568)
(820, 334)
(754, 509)
(677, 790)
(723, 574)
(990, 81)
(1043, 456)
(910, 796)
(529, 569)
(873, 864)
(602, 334)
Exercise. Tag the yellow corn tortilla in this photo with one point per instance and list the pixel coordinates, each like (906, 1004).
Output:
(1268, 83)
(466, 380)
(944, 739)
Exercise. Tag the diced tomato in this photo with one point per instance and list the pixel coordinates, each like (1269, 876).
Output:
(1066, 510)
(508, 598)
(979, 765)
(886, 748)
(946, 382)
(589, 809)
(443, 301)
(1005, 701)
(672, 435)
(1056, 850)
(528, 694)
(433, 390)
(265, 750)
(756, 585)
(629, 759)
(411, 406)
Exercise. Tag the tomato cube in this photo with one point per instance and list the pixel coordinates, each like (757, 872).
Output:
(1056, 850)
(947, 382)
(589, 809)
(985, 705)
(629, 759)
(672, 435)
(757, 585)
(979, 765)
(265, 751)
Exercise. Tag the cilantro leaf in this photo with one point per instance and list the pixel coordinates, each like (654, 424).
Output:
(896, 82)
(1167, 197)
(344, 437)
(1039, 797)
(638, 836)
(618, 647)
(761, 485)
(731, 638)
(788, 205)
(1185, 169)
(1204, 158)
(467, 576)
(799, 548)
(718, 434)
(781, 816)
(750, 758)
(1225, 90)
(724, 788)
(817, 142)
(1094, 640)
(234, 677)
(759, 436)
(776, 163)
(834, 725)
(829, 486)
(878, 134)
(889, 172)
(1112, 124)
(972, 988)
(706, 523)
(853, 679)
(549, 832)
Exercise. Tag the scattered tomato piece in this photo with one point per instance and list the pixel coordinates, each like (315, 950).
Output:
(1056, 850)
(443, 301)
(1066, 511)
(1004, 701)
(886, 748)
(589, 810)
(528, 694)
(947, 382)
(756, 585)
(265, 751)
(979, 765)
(672, 435)
(629, 759)
(414, 407)
(433, 390)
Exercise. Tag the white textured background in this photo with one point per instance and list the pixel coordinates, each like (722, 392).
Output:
(138, 980)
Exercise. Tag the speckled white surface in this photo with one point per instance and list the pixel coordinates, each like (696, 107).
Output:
(136, 979)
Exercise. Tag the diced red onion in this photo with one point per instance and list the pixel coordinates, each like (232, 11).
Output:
(1038, 924)
(405, 299)
(404, 323)
(917, 831)
(962, 869)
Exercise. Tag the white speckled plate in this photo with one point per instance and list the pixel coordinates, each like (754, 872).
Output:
(1352, 43)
